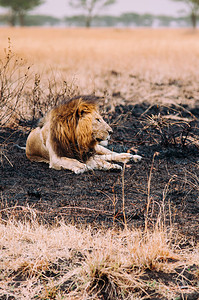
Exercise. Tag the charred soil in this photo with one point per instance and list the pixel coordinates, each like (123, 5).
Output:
(168, 176)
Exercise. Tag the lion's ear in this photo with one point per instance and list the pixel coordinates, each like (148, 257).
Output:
(80, 113)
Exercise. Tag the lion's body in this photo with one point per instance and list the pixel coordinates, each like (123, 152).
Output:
(69, 137)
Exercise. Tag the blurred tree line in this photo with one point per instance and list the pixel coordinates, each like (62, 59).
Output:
(129, 20)
(124, 20)
(19, 14)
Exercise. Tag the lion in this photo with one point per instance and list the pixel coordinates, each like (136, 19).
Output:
(72, 136)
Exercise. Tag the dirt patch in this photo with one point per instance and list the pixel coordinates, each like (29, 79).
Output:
(166, 137)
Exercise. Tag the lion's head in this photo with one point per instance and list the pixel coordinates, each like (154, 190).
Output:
(77, 126)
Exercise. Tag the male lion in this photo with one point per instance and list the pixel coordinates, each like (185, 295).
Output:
(69, 137)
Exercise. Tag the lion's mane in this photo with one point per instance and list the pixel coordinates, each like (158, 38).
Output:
(71, 128)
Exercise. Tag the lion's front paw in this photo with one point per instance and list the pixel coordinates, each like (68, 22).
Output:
(124, 157)
(116, 167)
(79, 169)
(136, 158)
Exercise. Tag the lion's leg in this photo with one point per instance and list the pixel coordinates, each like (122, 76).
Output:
(68, 163)
(109, 155)
(71, 164)
(98, 163)
(35, 149)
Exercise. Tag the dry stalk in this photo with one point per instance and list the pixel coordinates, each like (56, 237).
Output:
(123, 198)
(148, 192)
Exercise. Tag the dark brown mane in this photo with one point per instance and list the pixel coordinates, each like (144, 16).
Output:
(64, 122)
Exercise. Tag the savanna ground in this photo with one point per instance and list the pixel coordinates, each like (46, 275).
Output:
(102, 235)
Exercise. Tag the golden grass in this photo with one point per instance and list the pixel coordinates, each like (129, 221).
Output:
(139, 58)
(105, 48)
(65, 262)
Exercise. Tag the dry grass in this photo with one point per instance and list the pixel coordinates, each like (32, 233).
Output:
(64, 262)
(145, 51)
(136, 65)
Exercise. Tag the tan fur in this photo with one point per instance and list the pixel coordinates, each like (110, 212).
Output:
(69, 136)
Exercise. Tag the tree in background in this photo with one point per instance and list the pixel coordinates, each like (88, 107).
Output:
(19, 8)
(194, 7)
(90, 7)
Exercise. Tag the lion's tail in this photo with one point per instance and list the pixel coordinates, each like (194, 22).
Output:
(19, 147)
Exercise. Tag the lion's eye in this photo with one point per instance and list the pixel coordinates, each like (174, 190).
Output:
(98, 120)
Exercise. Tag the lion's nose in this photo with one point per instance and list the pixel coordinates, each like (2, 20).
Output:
(110, 130)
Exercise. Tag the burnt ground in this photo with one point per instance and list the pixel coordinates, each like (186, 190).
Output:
(166, 137)
(167, 179)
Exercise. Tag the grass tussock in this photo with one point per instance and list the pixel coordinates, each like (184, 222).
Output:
(66, 262)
